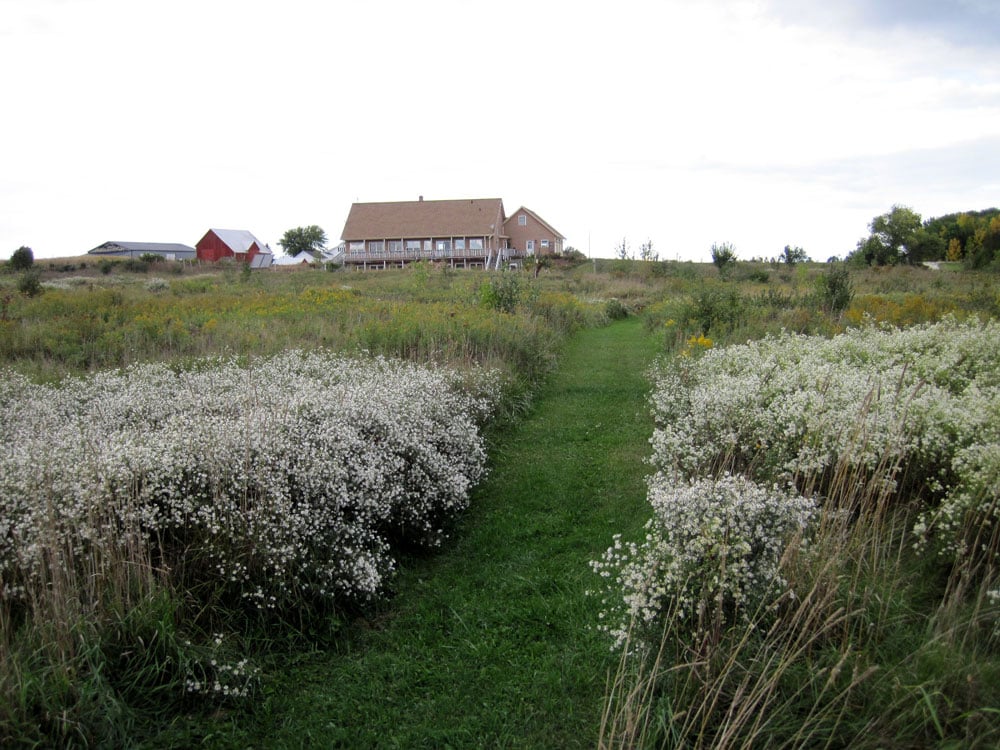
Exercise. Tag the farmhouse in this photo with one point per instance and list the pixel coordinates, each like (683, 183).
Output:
(166, 250)
(464, 233)
(528, 234)
(238, 244)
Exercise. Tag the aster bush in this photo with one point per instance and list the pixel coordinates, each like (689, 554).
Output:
(710, 557)
(914, 409)
(274, 483)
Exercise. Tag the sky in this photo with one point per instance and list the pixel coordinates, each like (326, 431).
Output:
(761, 123)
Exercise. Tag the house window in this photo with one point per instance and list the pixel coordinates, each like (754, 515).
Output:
(376, 246)
(356, 248)
(476, 243)
(529, 247)
(460, 243)
(522, 220)
(428, 246)
(545, 244)
(442, 246)
(413, 246)
(395, 246)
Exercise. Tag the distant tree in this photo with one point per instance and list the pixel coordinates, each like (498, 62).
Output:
(646, 251)
(311, 239)
(22, 259)
(621, 249)
(723, 256)
(891, 239)
(925, 245)
(954, 249)
(792, 255)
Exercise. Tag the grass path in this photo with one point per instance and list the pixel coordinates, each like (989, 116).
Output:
(489, 643)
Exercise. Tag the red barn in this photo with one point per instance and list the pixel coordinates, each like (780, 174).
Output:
(233, 243)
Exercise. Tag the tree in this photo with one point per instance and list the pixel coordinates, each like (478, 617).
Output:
(792, 255)
(621, 250)
(892, 237)
(646, 251)
(22, 259)
(311, 239)
(723, 255)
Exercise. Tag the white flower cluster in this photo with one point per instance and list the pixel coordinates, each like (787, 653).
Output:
(219, 678)
(711, 553)
(921, 405)
(922, 402)
(284, 478)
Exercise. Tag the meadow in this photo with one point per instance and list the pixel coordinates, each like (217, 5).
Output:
(203, 467)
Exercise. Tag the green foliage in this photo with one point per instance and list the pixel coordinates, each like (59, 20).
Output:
(615, 309)
(892, 239)
(792, 255)
(723, 256)
(834, 288)
(105, 265)
(30, 283)
(150, 258)
(501, 292)
(310, 239)
(21, 259)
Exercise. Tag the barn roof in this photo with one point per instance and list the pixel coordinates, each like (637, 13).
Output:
(161, 248)
(419, 219)
(239, 240)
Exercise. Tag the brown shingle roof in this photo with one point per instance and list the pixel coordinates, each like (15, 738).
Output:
(418, 219)
(539, 219)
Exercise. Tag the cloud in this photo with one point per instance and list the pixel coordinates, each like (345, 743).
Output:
(958, 22)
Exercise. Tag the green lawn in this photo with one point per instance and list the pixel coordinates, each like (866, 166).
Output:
(490, 642)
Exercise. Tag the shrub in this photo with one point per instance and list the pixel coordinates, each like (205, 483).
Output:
(615, 310)
(912, 409)
(21, 259)
(501, 292)
(710, 556)
(724, 256)
(834, 288)
(30, 284)
(276, 487)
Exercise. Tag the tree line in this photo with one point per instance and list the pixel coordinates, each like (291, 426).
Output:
(902, 236)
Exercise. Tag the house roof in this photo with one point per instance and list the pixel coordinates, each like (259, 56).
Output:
(418, 219)
(114, 246)
(239, 240)
(539, 219)
(293, 260)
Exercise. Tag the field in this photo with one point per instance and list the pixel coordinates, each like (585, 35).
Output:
(214, 482)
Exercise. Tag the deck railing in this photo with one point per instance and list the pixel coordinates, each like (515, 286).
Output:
(366, 255)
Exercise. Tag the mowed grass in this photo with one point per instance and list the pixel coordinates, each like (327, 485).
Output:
(490, 643)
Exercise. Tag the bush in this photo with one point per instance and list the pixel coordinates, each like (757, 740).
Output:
(615, 310)
(723, 256)
(711, 556)
(834, 288)
(502, 292)
(30, 284)
(21, 259)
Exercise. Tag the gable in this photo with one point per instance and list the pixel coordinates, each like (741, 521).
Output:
(238, 240)
(419, 219)
(511, 223)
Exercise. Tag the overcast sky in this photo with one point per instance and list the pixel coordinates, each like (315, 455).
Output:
(760, 123)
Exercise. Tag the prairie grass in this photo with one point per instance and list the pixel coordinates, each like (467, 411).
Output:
(883, 631)
(883, 646)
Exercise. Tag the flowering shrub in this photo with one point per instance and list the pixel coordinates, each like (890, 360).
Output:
(275, 482)
(921, 403)
(711, 554)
